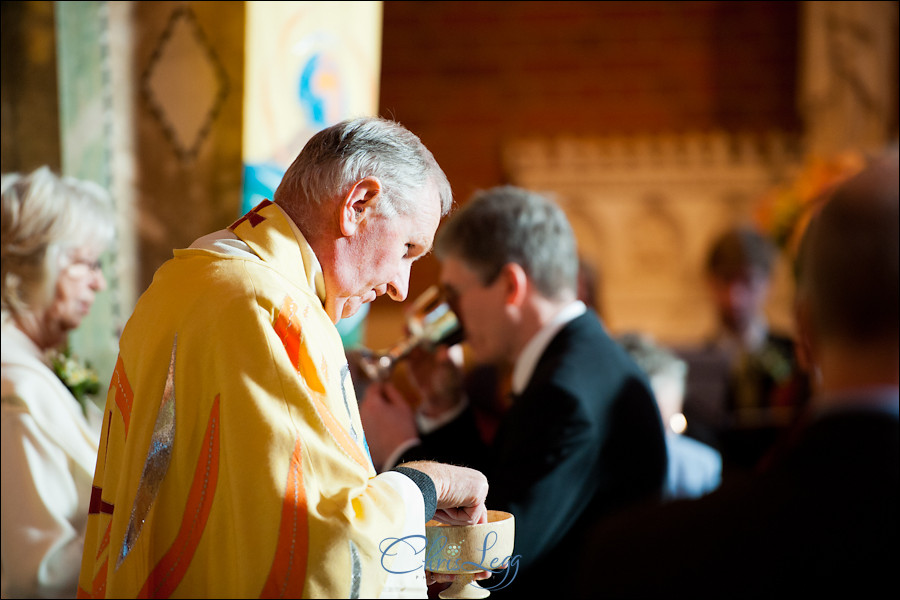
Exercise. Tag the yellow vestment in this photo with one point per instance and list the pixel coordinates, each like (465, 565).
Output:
(232, 461)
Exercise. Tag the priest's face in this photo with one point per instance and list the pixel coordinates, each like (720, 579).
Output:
(377, 259)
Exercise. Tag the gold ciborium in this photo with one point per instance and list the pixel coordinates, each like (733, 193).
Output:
(464, 550)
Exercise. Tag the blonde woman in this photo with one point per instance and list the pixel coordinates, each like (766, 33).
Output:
(54, 231)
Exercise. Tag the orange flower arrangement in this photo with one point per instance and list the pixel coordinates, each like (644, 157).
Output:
(784, 210)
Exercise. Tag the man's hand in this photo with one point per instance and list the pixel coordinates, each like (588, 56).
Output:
(387, 420)
(461, 492)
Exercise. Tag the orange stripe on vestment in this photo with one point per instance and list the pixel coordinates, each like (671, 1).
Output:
(104, 543)
(170, 570)
(98, 586)
(124, 395)
(288, 570)
(98, 589)
(288, 328)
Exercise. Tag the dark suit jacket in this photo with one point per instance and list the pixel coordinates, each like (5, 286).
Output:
(821, 520)
(771, 380)
(584, 439)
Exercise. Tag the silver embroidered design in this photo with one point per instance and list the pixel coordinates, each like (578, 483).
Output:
(158, 457)
(345, 379)
(355, 572)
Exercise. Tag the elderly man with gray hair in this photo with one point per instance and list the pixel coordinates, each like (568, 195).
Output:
(233, 461)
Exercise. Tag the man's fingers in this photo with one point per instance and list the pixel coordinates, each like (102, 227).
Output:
(471, 515)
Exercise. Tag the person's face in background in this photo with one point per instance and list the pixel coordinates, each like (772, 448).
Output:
(79, 280)
(481, 310)
(739, 297)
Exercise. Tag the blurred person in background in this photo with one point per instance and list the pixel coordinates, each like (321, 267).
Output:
(54, 232)
(822, 518)
(694, 468)
(755, 389)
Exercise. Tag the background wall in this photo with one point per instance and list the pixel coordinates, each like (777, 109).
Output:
(471, 79)
(28, 92)
(467, 75)
(475, 78)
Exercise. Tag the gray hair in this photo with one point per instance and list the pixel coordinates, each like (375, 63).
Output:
(44, 218)
(334, 159)
(507, 224)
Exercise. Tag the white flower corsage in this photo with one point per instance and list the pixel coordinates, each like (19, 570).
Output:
(81, 380)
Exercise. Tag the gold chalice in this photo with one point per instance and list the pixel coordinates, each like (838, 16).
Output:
(464, 550)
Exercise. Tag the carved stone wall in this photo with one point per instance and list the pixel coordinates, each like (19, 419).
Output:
(645, 209)
(848, 93)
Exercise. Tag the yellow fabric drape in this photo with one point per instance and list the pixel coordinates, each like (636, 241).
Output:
(232, 461)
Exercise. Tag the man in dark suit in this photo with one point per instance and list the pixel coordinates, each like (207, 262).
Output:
(582, 436)
(823, 517)
(745, 388)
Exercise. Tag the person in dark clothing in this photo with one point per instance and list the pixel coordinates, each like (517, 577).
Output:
(582, 435)
(822, 518)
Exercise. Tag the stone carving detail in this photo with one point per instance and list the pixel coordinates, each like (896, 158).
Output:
(848, 86)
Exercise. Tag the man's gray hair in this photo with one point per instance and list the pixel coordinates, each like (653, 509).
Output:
(337, 157)
(45, 217)
(507, 224)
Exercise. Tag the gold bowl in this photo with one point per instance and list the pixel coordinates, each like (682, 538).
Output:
(464, 550)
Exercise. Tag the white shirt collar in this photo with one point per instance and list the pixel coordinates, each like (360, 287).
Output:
(535, 347)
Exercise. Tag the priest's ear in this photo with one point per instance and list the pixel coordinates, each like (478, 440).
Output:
(359, 202)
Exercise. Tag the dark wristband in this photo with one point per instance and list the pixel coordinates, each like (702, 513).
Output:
(426, 486)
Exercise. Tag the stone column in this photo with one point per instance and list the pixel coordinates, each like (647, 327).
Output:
(848, 81)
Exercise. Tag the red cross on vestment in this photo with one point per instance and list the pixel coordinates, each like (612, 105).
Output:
(252, 216)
